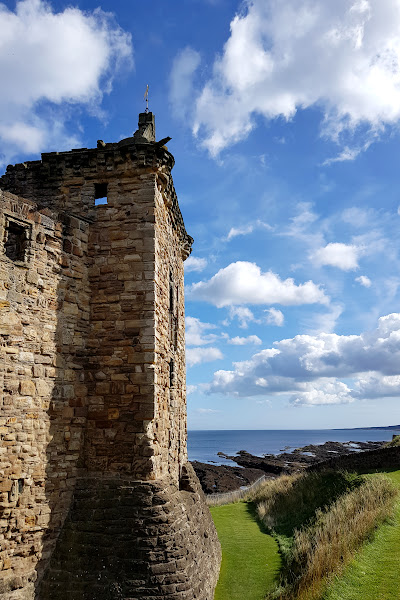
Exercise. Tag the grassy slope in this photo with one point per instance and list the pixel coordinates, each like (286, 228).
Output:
(250, 559)
(374, 574)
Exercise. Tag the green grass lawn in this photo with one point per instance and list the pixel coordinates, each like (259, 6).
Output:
(374, 574)
(250, 559)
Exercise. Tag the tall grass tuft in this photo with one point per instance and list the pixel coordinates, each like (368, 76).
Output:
(290, 501)
(320, 520)
(394, 442)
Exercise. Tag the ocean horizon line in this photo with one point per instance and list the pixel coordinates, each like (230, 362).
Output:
(383, 427)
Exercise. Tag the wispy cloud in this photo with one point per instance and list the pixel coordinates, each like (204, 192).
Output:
(193, 263)
(247, 229)
(242, 341)
(182, 75)
(347, 154)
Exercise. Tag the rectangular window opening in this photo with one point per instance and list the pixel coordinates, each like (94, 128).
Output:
(171, 374)
(15, 242)
(100, 194)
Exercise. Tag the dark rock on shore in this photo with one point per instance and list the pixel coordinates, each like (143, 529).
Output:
(221, 478)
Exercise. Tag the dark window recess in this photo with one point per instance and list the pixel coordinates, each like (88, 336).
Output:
(171, 293)
(20, 486)
(100, 194)
(173, 311)
(171, 299)
(171, 374)
(16, 241)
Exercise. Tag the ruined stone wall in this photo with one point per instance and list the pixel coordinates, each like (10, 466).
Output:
(97, 498)
(40, 422)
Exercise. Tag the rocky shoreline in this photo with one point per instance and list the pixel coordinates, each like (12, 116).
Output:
(224, 478)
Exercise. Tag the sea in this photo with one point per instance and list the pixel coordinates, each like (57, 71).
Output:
(204, 446)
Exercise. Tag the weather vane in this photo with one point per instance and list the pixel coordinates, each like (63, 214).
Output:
(146, 97)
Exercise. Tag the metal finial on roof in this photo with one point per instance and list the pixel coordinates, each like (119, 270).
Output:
(146, 97)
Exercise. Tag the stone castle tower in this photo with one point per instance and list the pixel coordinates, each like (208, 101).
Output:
(97, 499)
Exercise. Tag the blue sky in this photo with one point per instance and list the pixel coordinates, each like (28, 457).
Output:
(284, 120)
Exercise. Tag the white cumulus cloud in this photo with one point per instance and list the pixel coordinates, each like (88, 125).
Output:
(342, 256)
(364, 281)
(310, 369)
(341, 57)
(56, 59)
(275, 317)
(329, 391)
(196, 332)
(373, 385)
(244, 283)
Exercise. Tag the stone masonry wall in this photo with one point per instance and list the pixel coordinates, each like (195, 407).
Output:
(170, 368)
(122, 339)
(134, 423)
(40, 422)
(127, 539)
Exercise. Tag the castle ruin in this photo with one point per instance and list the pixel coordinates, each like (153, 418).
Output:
(97, 498)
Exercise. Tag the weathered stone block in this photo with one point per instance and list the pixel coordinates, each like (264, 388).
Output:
(27, 388)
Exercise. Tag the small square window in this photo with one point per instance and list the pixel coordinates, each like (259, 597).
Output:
(100, 194)
(15, 241)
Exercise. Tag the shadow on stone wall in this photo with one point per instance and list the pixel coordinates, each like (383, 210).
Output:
(67, 409)
(132, 539)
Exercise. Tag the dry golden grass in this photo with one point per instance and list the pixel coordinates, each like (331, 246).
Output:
(269, 494)
(320, 520)
(329, 544)
(291, 501)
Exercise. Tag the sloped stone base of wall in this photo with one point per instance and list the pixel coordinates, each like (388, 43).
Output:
(135, 540)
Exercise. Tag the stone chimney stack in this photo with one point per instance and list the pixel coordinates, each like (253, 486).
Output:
(146, 127)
